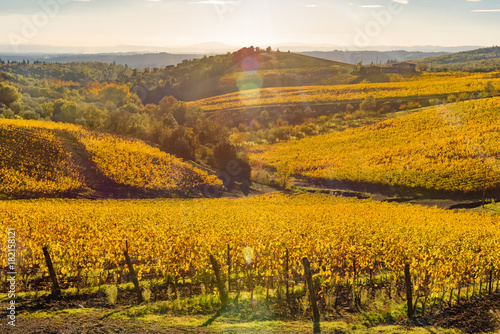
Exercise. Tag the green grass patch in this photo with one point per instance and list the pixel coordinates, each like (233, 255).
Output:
(492, 207)
(71, 312)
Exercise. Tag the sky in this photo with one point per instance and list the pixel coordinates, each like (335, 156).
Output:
(164, 23)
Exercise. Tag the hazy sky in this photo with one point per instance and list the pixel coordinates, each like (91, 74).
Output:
(250, 22)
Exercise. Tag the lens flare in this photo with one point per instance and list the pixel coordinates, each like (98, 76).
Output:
(248, 255)
(249, 81)
(249, 77)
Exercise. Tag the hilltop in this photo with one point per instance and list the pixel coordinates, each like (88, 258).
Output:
(46, 159)
(190, 79)
(247, 68)
(479, 60)
(280, 60)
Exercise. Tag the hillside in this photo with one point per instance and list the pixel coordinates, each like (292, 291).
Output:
(190, 79)
(45, 159)
(480, 60)
(451, 148)
(418, 86)
(250, 68)
(368, 57)
(282, 69)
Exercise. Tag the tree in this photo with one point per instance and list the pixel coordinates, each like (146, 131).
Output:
(8, 94)
(166, 106)
(94, 117)
(30, 114)
(48, 109)
(283, 175)
(369, 104)
(349, 108)
(422, 67)
(264, 116)
(179, 112)
(223, 153)
(193, 115)
(69, 112)
(386, 108)
(169, 121)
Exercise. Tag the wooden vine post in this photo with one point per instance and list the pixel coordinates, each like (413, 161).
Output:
(490, 286)
(228, 269)
(56, 290)
(409, 291)
(220, 283)
(286, 279)
(310, 285)
(137, 287)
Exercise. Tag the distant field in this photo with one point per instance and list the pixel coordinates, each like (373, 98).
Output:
(53, 159)
(449, 148)
(426, 84)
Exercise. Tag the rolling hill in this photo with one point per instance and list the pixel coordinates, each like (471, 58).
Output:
(252, 68)
(418, 86)
(367, 57)
(451, 148)
(480, 60)
(45, 159)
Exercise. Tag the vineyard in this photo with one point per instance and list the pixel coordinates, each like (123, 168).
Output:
(33, 160)
(136, 164)
(447, 148)
(354, 246)
(427, 84)
(54, 159)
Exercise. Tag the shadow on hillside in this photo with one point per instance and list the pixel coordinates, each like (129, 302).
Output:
(98, 185)
(398, 193)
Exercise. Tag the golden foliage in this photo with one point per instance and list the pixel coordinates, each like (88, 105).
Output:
(340, 236)
(427, 84)
(36, 161)
(134, 163)
(453, 147)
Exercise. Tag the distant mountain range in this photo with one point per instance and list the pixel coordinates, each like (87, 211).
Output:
(217, 47)
(138, 60)
(162, 59)
(202, 48)
(142, 56)
(422, 48)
